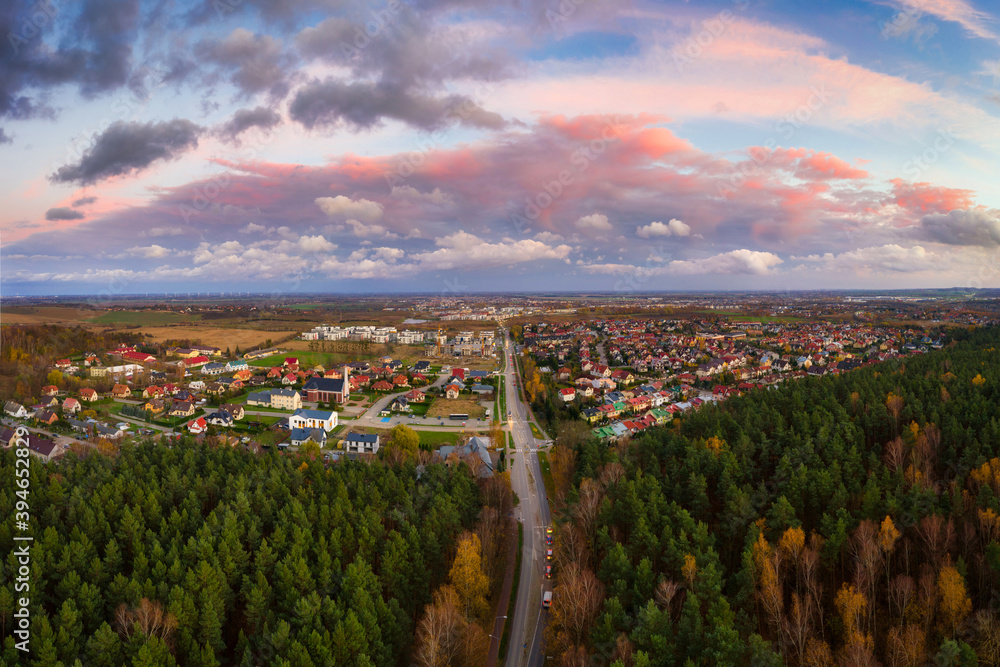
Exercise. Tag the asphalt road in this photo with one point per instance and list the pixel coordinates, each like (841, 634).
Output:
(528, 625)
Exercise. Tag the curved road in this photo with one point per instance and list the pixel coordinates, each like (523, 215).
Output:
(529, 620)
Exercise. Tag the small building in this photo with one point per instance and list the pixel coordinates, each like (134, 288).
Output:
(121, 391)
(42, 448)
(361, 443)
(89, 395)
(71, 406)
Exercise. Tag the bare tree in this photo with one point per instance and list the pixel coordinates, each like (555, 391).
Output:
(798, 625)
(440, 630)
(588, 508)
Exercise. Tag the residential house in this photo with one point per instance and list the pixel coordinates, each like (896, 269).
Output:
(219, 418)
(89, 395)
(121, 391)
(71, 406)
(153, 391)
(47, 417)
(49, 402)
(235, 409)
(215, 389)
(291, 363)
(401, 381)
(567, 395)
(362, 443)
(15, 409)
(398, 404)
(452, 391)
(197, 385)
(108, 432)
(154, 406)
(477, 449)
(301, 436)
(50, 390)
(214, 368)
(289, 378)
(181, 409)
(482, 389)
(592, 415)
(43, 448)
(63, 364)
(199, 425)
(308, 419)
(415, 396)
(237, 365)
(8, 437)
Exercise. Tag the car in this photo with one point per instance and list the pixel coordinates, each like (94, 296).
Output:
(547, 599)
(548, 540)
(548, 554)
(548, 571)
(548, 530)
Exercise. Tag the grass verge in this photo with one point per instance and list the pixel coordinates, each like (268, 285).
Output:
(505, 637)
(550, 487)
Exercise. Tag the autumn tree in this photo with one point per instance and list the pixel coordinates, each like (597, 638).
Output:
(954, 601)
(402, 443)
(467, 577)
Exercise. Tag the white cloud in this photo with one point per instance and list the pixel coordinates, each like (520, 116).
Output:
(741, 261)
(362, 230)
(673, 228)
(389, 254)
(879, 259)
(462, 250)
(549, 237)
(316, 244)
(345, 207)
(596, 222)
(152, 251)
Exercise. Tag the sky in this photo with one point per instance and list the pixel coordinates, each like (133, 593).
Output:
(452, 146)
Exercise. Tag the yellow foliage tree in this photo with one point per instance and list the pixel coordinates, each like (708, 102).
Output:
(468, 579)
(715, 445)
(978, 380)
(791, 543)
(954, 601)
(851, 605)
(689, 569)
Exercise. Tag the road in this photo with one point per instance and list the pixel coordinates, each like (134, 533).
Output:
(528, 624)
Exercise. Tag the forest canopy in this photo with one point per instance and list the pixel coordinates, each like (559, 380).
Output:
(193, 555)
(836, 520)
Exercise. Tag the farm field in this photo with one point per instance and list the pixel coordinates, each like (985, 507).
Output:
(142, 317)
(442, 407)
(220, 337)
(45, 315)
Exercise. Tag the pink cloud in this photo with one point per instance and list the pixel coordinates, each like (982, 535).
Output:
(928, 198)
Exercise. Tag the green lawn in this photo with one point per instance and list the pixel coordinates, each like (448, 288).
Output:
(534, 431)
(306, 359)
(143, 317)
(435, 439)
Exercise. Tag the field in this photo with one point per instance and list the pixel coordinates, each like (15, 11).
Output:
(45, 315)
(442, 407)
(220, 337)
(143, 317)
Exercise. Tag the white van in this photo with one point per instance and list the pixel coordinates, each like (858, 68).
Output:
(547, 599)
